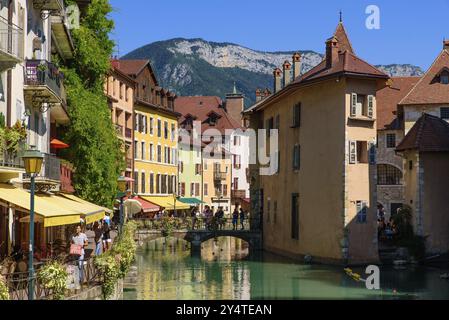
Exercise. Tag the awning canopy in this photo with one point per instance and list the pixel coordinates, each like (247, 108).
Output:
(74, 198)
(168, 203)
(50, 212)
(191, 201)
(147, 207)
(57, 144)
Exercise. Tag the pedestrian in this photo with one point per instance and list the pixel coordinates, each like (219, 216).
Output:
(193, 216)
(242, 218)
(106, 237)
(79, 239)
(220, 215)
(98, 231)
(235, 218)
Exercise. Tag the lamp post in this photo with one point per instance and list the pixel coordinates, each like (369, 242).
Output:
(122, 186)
(33, 163)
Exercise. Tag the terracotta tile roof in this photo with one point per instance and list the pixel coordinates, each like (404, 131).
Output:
(427, 90)
(388, 99)
(342, 37)
(429, 134)
(347, 63)
(201, 107)
(134, 67)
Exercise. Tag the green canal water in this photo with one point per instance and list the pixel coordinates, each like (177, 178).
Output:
(166, 271)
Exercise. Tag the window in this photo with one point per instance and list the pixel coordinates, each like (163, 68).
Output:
(142, 149)
(197, 189)
(136, 122)
(391, 140)
(225, 190)
(172, 132)
(159, 154)
(236, 183)
(165, 130)
(358, 152)
(236, 140)
(410, 165)
(237, 161)
(205, 166)
(142, 190)
(136, 151)
(296, 157)
(362, 210)
(151, 156)
(136, 182)
(296, 115)
(372, 153)
(388, 175)
(121, 90)
(181, 167)
(444, 113)
(362, 105)
(192, 189)
(126, 93)
(158, 183)
(145, 127)
(183, 189)
(151, 126)
(159, 129)
(151, 183)
(170, 184)
(206, 191)
(295, 217)
(444, 77)
(197, 169)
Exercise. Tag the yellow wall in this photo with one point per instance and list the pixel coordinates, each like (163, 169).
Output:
(327, 185)
(147, 165)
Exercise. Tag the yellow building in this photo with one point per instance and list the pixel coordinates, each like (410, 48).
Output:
(155, 137)
(321, 199)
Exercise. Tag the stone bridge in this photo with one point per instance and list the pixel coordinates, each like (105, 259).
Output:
(197, 237)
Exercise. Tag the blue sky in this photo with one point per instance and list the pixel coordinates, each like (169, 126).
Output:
(410, 31)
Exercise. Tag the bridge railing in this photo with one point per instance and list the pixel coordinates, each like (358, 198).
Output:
(197, 224)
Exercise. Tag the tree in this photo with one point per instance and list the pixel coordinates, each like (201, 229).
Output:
(95, 150)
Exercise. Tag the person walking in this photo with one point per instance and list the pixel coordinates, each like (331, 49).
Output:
(242, 218)
(193, 216)
(98, 231)
(106, 237)
(235, 218)
(80, 239)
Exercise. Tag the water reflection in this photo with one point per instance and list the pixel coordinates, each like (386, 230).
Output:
(168, 272)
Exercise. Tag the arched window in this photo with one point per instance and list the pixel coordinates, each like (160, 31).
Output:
(388, 175)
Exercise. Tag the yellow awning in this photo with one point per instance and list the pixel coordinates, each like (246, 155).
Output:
(74, 198)
(52, 213)
(167, 203)
(90, 212)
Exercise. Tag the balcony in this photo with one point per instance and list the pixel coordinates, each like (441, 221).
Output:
(220, 176)
(63, 42)
(11, 45)
(50, 5)
(11, 163)
(44, 87)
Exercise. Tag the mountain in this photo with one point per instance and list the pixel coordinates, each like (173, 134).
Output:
(200, 67)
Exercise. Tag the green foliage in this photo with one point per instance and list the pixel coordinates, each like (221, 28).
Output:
(4, 292)
(12, 140)
(114, 264)
(2, 121)
(95, 151)
(53, 276)
(406, 236)
(168, 225)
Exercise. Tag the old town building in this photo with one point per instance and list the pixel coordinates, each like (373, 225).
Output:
(320, 200)
(390, 182)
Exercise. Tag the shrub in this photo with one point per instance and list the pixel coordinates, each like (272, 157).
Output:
(53, 276)
(4, 293)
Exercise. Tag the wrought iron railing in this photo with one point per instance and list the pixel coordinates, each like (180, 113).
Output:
(197, 224)
(51, 168)
(11, 39)
(219, 176)
(44, 73)
(10, 160)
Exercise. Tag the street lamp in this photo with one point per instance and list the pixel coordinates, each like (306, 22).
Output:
(33, 163)
(122, 183)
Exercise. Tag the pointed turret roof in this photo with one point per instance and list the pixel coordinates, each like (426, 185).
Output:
(343, 40)
(429, 90)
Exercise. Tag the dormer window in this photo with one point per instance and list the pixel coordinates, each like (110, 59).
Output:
(444, 79)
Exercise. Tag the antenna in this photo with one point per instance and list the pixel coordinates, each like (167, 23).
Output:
(341, 16)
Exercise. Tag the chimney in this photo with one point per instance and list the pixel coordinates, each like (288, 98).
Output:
(258, 95)
(287, 69)
(296, 65)
(331, 52)
(277, 73)
(266, 93)
(446, 44)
